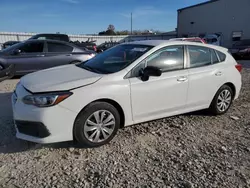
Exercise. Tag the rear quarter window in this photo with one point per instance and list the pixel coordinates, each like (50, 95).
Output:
(222, 56)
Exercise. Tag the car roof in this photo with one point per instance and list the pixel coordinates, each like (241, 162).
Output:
(52, 34)
(49, 40)
(173, 42)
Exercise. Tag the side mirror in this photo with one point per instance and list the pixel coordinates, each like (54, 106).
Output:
(16, 52)
(150, 71)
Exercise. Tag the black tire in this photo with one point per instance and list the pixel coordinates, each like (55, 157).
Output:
(214, 109)
(81, 119)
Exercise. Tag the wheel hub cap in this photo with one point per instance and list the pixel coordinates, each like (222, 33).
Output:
(99, 126)
(224, 100)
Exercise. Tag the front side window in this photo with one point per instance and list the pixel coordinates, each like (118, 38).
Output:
(58, 47)
(35, 47)
(199, 56)
(168, 59)
(115, 59)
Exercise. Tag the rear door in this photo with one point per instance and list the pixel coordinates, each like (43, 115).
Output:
(58, 54)
(30, 58)
(206, 76)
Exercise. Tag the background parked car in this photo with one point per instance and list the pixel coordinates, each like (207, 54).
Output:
(241, 49)
(8, 44)
(90, 45)
(214, 39)
(192, 39)
(34, 55)
(104, 46)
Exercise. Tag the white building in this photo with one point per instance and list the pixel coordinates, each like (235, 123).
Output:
(229, 18)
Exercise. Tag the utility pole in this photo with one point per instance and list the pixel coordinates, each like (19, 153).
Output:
(131, 23)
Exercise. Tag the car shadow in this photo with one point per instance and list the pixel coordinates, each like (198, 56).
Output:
(198, 113)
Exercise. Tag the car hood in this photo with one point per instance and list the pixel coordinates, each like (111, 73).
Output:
(59, 79)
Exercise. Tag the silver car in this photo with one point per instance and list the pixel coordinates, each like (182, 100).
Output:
(33, 55)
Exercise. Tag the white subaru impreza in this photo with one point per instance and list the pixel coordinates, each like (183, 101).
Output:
(127, 84)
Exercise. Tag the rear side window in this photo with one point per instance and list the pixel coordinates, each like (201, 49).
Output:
(34, 47)
(199, 56)
(167, 59)
(57, 47)
(222, 56)
(214, 57)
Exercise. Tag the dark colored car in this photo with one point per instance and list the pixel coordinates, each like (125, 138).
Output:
(9, 43)
(47, 36)
(34, 55)
(241, 49)
(90, 45)
(104, 46)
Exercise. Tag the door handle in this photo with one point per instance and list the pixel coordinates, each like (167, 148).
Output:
(40, 55)
(69, 55)
(218, 73)
(182, 79)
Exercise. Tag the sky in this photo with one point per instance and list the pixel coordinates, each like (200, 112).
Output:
(89, 16)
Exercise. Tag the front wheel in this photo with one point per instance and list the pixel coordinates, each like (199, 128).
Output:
(222, 100)
(97, 124)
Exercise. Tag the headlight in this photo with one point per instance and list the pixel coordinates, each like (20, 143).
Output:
(46, 100)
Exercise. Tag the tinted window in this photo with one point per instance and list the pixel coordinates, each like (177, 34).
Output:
(168, 59)
(199, 56)
(222, 56)
(34, 47)
(115, 59)
(214, 57)
(57, 47)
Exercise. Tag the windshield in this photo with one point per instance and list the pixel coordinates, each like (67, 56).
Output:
(12, 47)
(115, 59)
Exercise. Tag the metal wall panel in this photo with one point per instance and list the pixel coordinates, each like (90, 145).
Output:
(15, 36)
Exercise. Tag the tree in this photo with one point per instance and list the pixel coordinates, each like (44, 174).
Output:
(111, 27)
(110, 30)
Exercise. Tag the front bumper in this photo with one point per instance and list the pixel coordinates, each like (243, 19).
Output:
(7, 73)
(41, 125)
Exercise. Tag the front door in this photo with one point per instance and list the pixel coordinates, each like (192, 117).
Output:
(29, 58)
(160, 96)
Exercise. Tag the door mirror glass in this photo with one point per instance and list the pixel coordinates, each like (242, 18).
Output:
(150, 71)
(16, 52)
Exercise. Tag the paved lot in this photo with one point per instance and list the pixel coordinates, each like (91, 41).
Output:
(191, 150)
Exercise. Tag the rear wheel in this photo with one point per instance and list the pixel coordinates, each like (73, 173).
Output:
(222, 100)
(97, 124)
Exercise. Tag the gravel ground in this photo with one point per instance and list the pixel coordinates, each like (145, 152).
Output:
(187, 151)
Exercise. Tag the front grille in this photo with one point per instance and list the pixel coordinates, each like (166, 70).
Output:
(36, 129)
